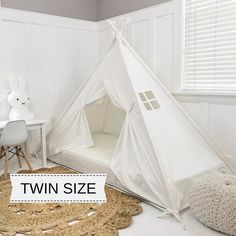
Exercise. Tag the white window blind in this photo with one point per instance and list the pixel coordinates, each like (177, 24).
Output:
(210, 45)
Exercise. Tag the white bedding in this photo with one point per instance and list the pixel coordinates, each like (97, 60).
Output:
(97, 159)
(102, 152)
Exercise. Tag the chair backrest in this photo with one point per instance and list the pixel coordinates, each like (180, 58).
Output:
(14, 133)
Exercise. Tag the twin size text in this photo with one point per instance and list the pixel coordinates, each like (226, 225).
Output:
(68, 188)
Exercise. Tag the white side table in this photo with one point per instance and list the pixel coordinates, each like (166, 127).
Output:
(32, 125)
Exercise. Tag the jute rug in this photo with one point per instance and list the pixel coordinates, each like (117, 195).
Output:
(66, 219)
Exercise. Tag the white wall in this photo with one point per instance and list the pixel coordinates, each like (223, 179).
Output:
(54, 54)
(155, 34)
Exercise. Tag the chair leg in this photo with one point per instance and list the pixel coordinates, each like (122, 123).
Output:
(26, 158)
(6, 154)
(1, 152)
(18, 156)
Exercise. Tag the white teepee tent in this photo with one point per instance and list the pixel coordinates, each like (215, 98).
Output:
(159, 150)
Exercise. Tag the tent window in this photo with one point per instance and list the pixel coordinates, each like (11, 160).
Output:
(149, 100)
(149, 94)
(155, 104)
(143, 98)
(148, 106)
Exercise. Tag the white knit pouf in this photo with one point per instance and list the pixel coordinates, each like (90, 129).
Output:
(213, 202)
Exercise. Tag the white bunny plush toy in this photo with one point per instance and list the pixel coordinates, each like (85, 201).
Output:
(19, 101)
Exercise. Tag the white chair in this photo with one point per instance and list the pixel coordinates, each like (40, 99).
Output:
(12, 141)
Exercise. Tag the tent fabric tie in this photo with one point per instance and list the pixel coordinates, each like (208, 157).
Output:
(130, 109)
(168, 212)
(82, 103)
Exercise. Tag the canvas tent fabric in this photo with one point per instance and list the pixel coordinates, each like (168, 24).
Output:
(157, 145)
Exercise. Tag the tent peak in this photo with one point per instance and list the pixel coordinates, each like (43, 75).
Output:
(119, 23)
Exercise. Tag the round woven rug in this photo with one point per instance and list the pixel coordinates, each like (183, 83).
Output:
(66, 219)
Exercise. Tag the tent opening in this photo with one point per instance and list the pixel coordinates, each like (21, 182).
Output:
(105, 121)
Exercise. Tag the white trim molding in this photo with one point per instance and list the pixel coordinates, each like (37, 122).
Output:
(205, 97)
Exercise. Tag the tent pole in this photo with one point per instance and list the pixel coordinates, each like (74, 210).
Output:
(195, 125)
(162, 176)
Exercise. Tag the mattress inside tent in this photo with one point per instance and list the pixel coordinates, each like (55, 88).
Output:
(96, 159)
(105, 121)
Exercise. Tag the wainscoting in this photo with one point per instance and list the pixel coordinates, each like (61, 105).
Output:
(217, 117)
(56, 55)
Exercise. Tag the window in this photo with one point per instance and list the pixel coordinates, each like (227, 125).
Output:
(210, 45)
(149, 100)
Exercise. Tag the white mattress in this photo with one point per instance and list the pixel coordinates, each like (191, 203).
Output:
(97, 159)
(102, 152)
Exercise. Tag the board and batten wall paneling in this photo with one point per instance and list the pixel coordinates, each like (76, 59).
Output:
(218, 119)
(152, 33)
(54, 55)
(163, 49)
(139, 34)
(38, 69)
(222, 128)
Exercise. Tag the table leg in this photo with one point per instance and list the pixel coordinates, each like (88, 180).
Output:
(43, 148)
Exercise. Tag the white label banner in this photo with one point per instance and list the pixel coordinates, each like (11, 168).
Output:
(81, 188)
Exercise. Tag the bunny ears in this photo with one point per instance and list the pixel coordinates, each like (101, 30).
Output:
(17, 84)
